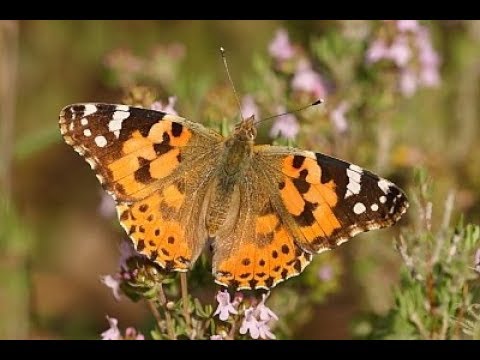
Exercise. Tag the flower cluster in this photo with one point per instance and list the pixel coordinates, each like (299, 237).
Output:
(114, 333)
(255, 319)
(408, 45)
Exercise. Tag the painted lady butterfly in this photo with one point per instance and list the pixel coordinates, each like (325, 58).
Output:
(265, 209)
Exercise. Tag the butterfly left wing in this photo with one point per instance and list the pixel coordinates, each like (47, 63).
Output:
(155, 166)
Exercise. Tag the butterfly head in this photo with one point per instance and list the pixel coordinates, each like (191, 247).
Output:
(246, 130)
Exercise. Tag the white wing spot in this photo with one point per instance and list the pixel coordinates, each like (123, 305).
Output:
(122, 107)
(384, 185)
(89, 109)
(116, 123)
(101, 141)
(383, 199)
(354, 174)
(71, 126)
(359, 208)
(374, 207)
(87, 132)
(356, 168)
(84, 122)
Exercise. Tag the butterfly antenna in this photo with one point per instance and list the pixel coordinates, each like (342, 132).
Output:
(318, 102)
(224, 58)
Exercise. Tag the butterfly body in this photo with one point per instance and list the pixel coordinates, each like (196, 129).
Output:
(265, 209)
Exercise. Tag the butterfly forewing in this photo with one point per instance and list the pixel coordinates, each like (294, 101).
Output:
(328, 200)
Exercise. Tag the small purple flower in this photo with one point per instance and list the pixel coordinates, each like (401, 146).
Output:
(264, 330)
(107, 205)
(307, 80)
(113, 284)
(280, 48)
(399, 52)
(250, 324)
(225, 307)
(285, 126)
(325, 273)
(377, 51)
(127, 251)
(338, 119)
(407, 25)
(249, 107)
(263, 312)
(112, 333)
(429, 59)
(168, 108)
(216, 337)
(132, 334)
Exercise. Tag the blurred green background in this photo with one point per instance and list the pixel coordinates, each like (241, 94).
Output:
(54, 245)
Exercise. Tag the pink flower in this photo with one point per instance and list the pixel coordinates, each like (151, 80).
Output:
(113, 284)
(225, 307)
(307, 80)
(107, 207)
(127, 251)
(263, 312)
(264, 331)
(377, 51)
(285, 126)
(249, 107)
(250, 324)
(407, 25)
(112, 333)
(399, 51)
(168, 108)
(280, 48)
(338, 119)
(216, 337)
(429, 59)
(325, 273)
(131, 334)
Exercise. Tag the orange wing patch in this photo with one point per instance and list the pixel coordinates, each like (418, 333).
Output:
(151, 225)
(309, 202)
(270, 258)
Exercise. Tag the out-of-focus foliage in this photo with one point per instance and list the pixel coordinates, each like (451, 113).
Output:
(399, 95)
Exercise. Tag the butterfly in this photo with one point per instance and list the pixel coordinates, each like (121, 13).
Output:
(265, 210)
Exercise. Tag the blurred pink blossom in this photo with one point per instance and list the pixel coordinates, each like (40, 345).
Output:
(307, 80)
(225, 307)
(285, 126)
(407, 25)
(168, 108)
(400, 52)
(112, 333)
(280, 47)
(132, 334)
(325, 273)
(216, 337)
(107, 207)
(113, 283)
(378, 50)
(250, 324)
(338, 119)
(263, 312)
(249, 107)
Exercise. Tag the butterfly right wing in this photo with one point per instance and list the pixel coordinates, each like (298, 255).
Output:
(155, 165)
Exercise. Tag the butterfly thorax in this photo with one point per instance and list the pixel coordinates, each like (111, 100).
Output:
(224, 199)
